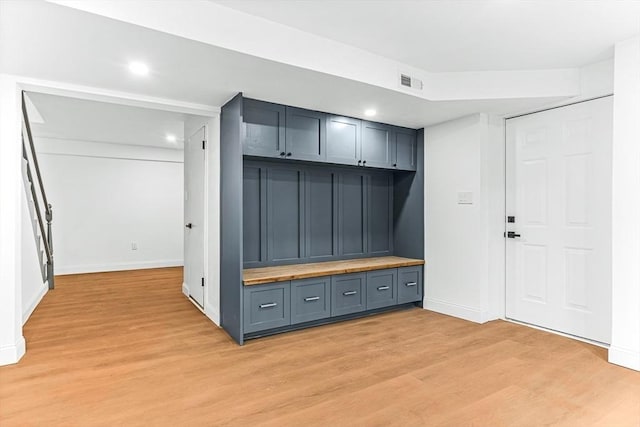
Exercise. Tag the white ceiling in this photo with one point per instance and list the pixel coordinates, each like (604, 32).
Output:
(67, 45)
(59, 117)
(464, 35)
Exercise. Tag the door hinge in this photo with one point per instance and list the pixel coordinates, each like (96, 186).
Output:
(203, 282)
(204, 144)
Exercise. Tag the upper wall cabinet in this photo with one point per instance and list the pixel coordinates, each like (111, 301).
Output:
(377, 145)
(305, 135)
(264, 129)
(405, 149)
(343, 140)
(272, 130)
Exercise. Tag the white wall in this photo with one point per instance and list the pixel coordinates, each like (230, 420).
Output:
(12, 344)
(625, 337)
(106, 197)
(465, 259)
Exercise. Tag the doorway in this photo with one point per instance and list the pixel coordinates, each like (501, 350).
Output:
(194, 209)
(558, 206)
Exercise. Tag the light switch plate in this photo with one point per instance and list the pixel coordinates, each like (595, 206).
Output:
(465, 197)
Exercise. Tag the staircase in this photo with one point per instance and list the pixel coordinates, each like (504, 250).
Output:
(40, 209)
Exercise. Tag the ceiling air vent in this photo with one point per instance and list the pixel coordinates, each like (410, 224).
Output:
(412, 82)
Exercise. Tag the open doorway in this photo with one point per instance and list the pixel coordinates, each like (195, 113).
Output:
(115, 177)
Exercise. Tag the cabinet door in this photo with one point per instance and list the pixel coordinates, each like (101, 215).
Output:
(310, 299)
(409, 284)
(377, 145)
(305, 135)
(343, 140)
(380, 214)
(264, 131)
(348, 293)
(382, 288)
(321, 212)
(254, 236)
(405, 149)
(266, 306)
(284, 214)
(352, 214)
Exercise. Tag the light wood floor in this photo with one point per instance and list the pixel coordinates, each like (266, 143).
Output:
(129, 349)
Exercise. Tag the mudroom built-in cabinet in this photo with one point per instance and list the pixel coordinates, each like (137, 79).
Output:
(320, 215)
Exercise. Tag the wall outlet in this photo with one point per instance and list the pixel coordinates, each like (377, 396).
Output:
(134, 246)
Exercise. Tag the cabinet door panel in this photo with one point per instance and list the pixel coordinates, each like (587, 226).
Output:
(382, 288)
(406, 149)
(377, 145)
(310, 299)
(348, 294)
(380, 215)
(352, 214)
(264, 131)
(266, 306)
(284, 222)
(305, 135)
(343, 140)
(409, 284)
(253, 221)
(320, 214)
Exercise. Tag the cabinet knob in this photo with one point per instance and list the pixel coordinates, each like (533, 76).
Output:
(359, 161)
(288, 154)
(364, 162)
(282, 153)
(395, 164)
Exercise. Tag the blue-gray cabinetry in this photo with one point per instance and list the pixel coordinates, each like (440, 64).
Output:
(382, 288)
(267, 306)
(276, 306)
(264, 129)
(348, 294)
(278, 210)
(278, 131)
(410, 287)
(310, 299)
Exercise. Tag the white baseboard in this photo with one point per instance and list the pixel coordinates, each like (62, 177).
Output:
(185, 289)
(457, 310)
(212, 313)
(12, 353)
(28, 310)
(623, 357)
(98, 268)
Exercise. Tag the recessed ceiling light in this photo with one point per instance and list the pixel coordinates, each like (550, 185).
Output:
(139, 68)
(370, 112)
(172, 138)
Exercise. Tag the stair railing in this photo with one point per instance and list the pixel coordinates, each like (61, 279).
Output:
(39, 196)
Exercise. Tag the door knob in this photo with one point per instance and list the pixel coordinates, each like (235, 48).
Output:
(189, 225)
(512, 234)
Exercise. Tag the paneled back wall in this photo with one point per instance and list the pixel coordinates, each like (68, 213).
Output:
(297, 213)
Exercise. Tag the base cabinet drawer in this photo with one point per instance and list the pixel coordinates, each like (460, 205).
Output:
(267, 306)
(382, 288)
(310, 299)
(348, 294)
(409, 284)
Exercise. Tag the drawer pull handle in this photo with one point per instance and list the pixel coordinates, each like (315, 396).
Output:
(348, 293)
(309, 299)
(411, 284)
(268, 305)
(383, 288)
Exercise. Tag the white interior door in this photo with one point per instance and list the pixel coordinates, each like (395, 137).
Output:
(559, 193)
(194, 158)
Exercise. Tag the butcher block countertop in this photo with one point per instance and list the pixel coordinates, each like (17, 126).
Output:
(282, 273)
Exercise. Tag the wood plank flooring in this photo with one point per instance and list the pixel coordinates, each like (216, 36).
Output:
(127, 348)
